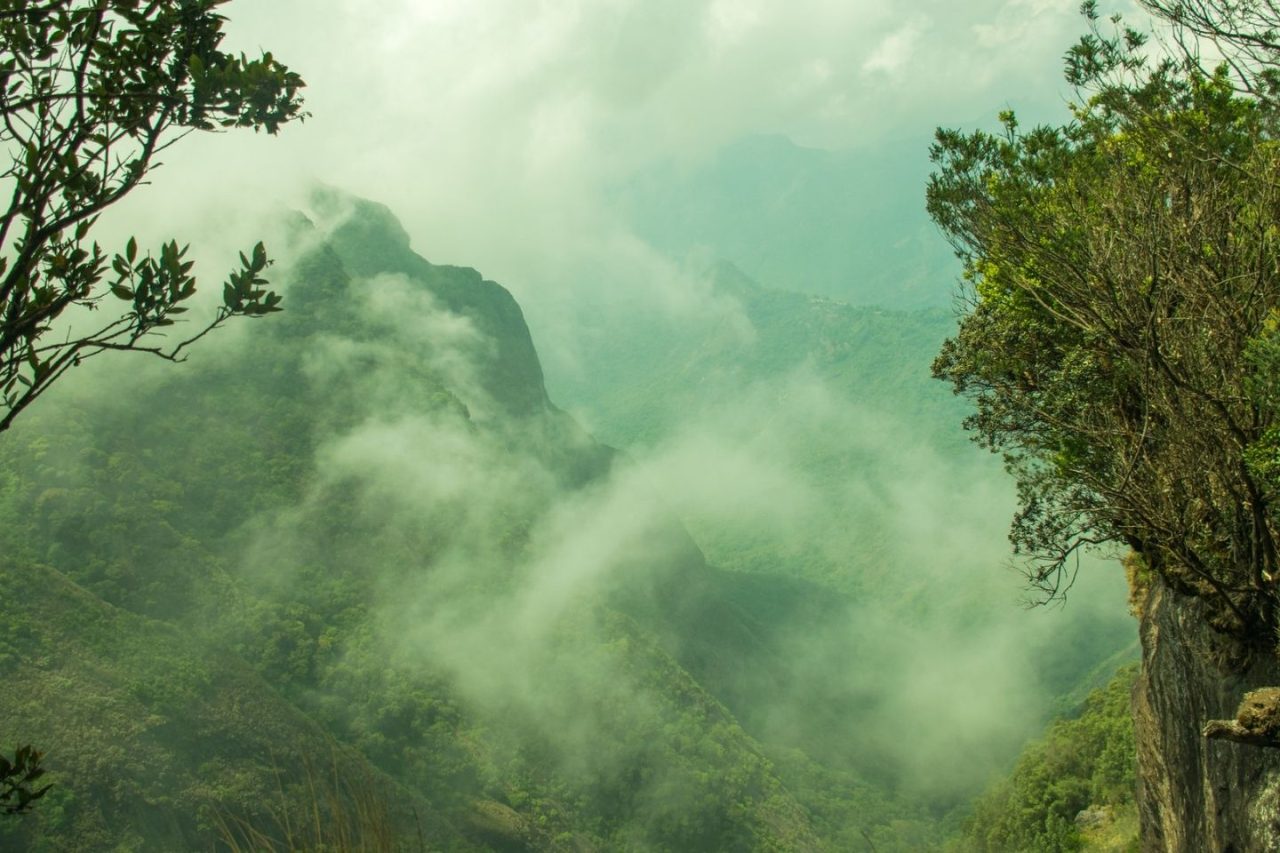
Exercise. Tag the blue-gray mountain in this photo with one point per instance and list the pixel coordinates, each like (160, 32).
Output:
(833, 223)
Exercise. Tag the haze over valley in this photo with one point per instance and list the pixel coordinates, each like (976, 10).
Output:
(592, 489)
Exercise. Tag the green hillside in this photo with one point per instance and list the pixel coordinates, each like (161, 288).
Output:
(1072, 789)
(155, 737)
(363, 531)
(852, 477)
(358, 542)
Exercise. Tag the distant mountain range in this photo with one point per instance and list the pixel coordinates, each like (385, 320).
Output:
(832, 223)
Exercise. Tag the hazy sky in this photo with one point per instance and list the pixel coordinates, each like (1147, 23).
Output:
(494, 128)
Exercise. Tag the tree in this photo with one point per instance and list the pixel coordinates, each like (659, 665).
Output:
(91, 91)
(1246, 33)
(1124, 296)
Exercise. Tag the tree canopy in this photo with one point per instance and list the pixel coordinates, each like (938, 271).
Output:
(90, 92)
(1124, 300)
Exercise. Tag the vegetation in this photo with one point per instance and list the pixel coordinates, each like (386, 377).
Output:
(1072, 789)
(90, 94)
(1123, 293)
(330, 601)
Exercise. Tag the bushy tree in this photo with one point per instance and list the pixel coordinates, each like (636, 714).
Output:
(90, 92)
(1123, 280)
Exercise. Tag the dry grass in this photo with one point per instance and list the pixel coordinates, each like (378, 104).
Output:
(1119, 834)
(338, 810)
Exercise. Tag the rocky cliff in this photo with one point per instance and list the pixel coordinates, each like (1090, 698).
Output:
(1197, 794)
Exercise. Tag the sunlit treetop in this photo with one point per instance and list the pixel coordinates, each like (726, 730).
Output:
(1123, 302)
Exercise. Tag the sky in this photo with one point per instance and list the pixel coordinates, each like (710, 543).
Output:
(497, 130)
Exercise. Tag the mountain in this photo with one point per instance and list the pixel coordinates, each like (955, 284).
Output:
(853, 478)
(832, 223)
(355, 555)
(358, 543)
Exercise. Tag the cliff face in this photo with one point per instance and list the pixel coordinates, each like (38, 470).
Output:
(1195, 794)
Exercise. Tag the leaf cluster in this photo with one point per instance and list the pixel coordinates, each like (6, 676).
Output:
(18, 777)
(90, 94)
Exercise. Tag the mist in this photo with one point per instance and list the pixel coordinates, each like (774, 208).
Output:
(912, 660)
(501, 134)
(677, 536)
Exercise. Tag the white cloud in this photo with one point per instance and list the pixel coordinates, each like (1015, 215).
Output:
(1016, 21)
(497, 129)
(896, 50)
(728, 21)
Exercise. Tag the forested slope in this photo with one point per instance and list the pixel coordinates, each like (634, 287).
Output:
(885, 517)
(364, 532)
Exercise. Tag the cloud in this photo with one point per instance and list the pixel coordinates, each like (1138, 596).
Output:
(497, 128)
(939, 663)
(897, 48)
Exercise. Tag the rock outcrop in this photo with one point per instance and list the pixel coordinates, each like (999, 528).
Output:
(1195, 793)
(1257, 721)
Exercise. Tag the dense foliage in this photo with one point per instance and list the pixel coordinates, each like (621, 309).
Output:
(1072, 789)
(1123, 271)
